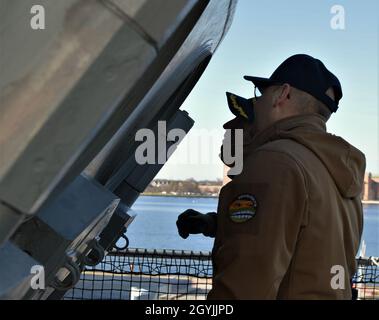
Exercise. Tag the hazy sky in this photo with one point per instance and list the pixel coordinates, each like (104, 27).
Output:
(264, 34)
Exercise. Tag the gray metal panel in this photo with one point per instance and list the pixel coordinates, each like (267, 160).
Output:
(9, 222)
(144, 15)
(39, 68)
(15, 271)
(199, 45)
(81, 81)
(77, 208)
(70, 115)
(64, 229)
(79, 213)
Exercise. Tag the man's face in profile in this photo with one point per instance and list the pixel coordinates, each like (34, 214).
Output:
(261, 105)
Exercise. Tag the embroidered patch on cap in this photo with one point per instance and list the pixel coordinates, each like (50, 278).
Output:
(243, 208)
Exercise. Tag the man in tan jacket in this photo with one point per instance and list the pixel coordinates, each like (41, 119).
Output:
(289, 226)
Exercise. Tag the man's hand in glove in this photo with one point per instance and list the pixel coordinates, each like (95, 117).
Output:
(194, 222)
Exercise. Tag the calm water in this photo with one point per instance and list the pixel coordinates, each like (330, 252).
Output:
(155, 228)
(371, 229)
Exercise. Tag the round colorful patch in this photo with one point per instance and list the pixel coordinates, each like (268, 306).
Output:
(243, 208)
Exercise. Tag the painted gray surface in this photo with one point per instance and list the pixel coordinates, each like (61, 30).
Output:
(15, 277)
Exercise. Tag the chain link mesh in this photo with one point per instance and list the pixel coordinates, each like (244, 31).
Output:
(140, 274)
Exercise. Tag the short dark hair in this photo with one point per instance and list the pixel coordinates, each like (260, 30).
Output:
(309, 104)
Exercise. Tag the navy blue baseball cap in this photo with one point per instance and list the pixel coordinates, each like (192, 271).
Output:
(307, 74)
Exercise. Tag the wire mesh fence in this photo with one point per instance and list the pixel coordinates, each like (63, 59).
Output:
(140, 274)
(366, 279)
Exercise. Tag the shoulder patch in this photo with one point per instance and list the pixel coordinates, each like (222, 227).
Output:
(243, 208)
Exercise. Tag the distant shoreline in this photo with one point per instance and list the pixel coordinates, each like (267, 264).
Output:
(370, 202)
(375, 202)
(177, 195)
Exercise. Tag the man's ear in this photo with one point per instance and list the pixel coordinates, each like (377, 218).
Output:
(283, 93)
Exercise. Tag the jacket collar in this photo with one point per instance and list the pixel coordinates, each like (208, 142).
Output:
(307, 122)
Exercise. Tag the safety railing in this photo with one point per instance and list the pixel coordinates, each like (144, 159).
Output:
(140, 274)
(366, 279)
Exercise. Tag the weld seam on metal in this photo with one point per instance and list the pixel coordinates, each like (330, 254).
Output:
(130, 21)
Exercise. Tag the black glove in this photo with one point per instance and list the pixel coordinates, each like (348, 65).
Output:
(194, 222)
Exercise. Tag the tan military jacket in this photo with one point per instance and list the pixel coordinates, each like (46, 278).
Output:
(289, 226)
